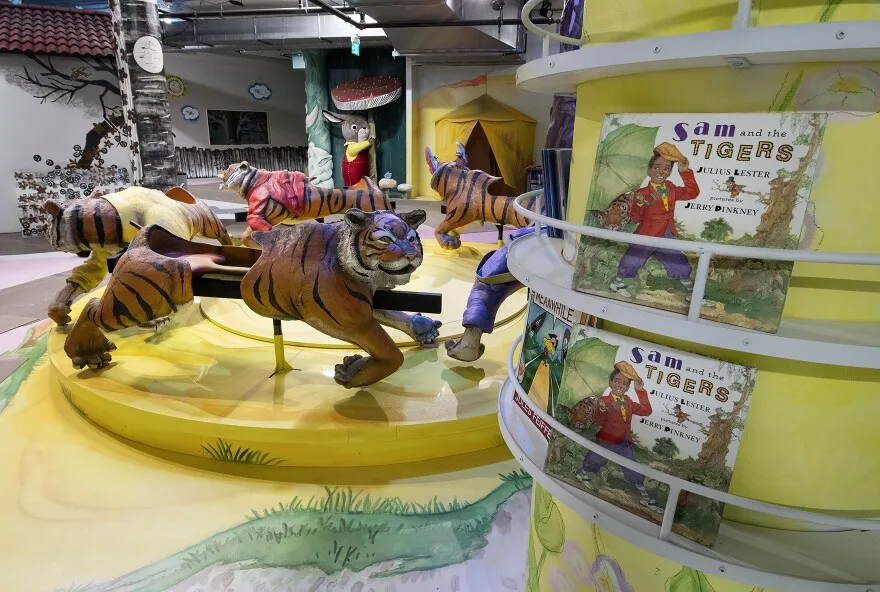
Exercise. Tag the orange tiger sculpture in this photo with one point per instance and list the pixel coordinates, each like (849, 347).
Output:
(275, 196)
(322, 274)
(468, 198)
(102, 225)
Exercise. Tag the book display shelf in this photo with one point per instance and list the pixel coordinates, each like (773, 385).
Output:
(786, 526)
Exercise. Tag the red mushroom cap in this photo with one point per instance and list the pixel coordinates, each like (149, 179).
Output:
(366, 93)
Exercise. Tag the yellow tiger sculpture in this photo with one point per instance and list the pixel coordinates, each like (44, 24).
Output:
(468, 199)
(102, 224)
(322, 274)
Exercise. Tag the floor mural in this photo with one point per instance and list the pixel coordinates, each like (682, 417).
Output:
(86, 512)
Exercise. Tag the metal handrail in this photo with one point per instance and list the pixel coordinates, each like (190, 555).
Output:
(676, 484)
(705, 250)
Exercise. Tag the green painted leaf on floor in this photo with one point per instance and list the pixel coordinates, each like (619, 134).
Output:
(549, 525)
(689, 580)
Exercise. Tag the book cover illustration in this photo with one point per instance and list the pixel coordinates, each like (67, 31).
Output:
(545, 343)
(739, 179)
(676, 412)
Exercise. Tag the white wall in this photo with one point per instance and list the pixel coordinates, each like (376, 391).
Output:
(50, 130)
(221, 81)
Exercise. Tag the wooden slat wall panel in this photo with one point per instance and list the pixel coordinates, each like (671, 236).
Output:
(203, 163)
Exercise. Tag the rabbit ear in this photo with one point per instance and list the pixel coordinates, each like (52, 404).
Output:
(332, 117)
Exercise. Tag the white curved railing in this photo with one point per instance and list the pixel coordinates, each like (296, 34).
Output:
(741, 20)
(525, 15)
(676, 484)
(705, 250)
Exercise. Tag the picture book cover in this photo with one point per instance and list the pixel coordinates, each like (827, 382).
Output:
(739, 179)
(545, 343)
(676, 412)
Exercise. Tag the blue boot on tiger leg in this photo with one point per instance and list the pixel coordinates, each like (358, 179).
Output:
(493, 285)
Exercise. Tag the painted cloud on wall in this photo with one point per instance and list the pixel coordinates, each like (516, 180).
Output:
(260, 91)
(190, 113)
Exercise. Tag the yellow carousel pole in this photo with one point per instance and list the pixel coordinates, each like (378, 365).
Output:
(281, 365)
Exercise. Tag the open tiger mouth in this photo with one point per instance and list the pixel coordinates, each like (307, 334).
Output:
(402, 271)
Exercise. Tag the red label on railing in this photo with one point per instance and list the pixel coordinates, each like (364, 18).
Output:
(539, 423)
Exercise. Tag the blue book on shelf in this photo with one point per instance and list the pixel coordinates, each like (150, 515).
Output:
(556, 165)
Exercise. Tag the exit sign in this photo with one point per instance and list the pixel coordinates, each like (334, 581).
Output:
(355, 45)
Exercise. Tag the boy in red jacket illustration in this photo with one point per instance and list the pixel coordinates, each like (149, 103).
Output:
(613, 412)
(654, 212)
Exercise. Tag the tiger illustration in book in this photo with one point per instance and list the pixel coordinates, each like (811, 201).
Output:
(617, 214)
(276, 196)
(322, 274)
(468, 198)
(102, 225)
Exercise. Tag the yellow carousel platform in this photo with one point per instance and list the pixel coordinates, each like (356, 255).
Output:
(204, 386)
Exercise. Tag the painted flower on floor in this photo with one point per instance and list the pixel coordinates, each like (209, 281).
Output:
(851, 89)
(577, 563)
(607, 576)
(559, 581)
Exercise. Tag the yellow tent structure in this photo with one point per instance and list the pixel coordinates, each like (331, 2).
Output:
(510, 135)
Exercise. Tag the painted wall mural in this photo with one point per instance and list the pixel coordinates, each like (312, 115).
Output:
(260, 91)
(176, 86)
(77, 81)
(190, 113)
(231, 128)
(62, 185)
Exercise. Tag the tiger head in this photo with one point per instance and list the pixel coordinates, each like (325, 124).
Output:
(381, 248)
(438, 168)
(454, 178)
(238, 178)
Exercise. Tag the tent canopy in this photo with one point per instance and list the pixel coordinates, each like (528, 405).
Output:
(511, 135)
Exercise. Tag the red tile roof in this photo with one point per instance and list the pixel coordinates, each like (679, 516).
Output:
(55, 31)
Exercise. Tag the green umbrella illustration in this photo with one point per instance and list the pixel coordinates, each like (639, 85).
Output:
(621, 163)
(587, 367)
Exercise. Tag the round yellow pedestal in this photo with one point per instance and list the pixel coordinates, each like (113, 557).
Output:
(198, 389)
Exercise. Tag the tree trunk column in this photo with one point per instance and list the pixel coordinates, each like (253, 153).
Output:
(144, 92)
(317, 128)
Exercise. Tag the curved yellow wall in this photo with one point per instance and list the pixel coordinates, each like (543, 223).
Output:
(591, 558)
(609, 21)
(810, 437)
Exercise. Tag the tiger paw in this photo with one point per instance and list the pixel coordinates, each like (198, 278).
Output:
(423, 329)
(157, 324)
(86, 346)
(60, 313)
(449, 241)
(346, 372)
(463, 350)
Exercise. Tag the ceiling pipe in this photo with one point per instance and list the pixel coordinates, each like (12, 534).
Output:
(470, 23)
(249, 13)
(339, 13)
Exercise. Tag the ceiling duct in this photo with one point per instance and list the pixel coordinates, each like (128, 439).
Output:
(449, 44)
(263, 31)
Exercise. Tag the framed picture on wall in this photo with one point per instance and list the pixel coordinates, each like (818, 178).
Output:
(232, 128)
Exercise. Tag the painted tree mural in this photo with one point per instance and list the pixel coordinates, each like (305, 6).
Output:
(50, 82)
(145, 92)
(317, 128)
